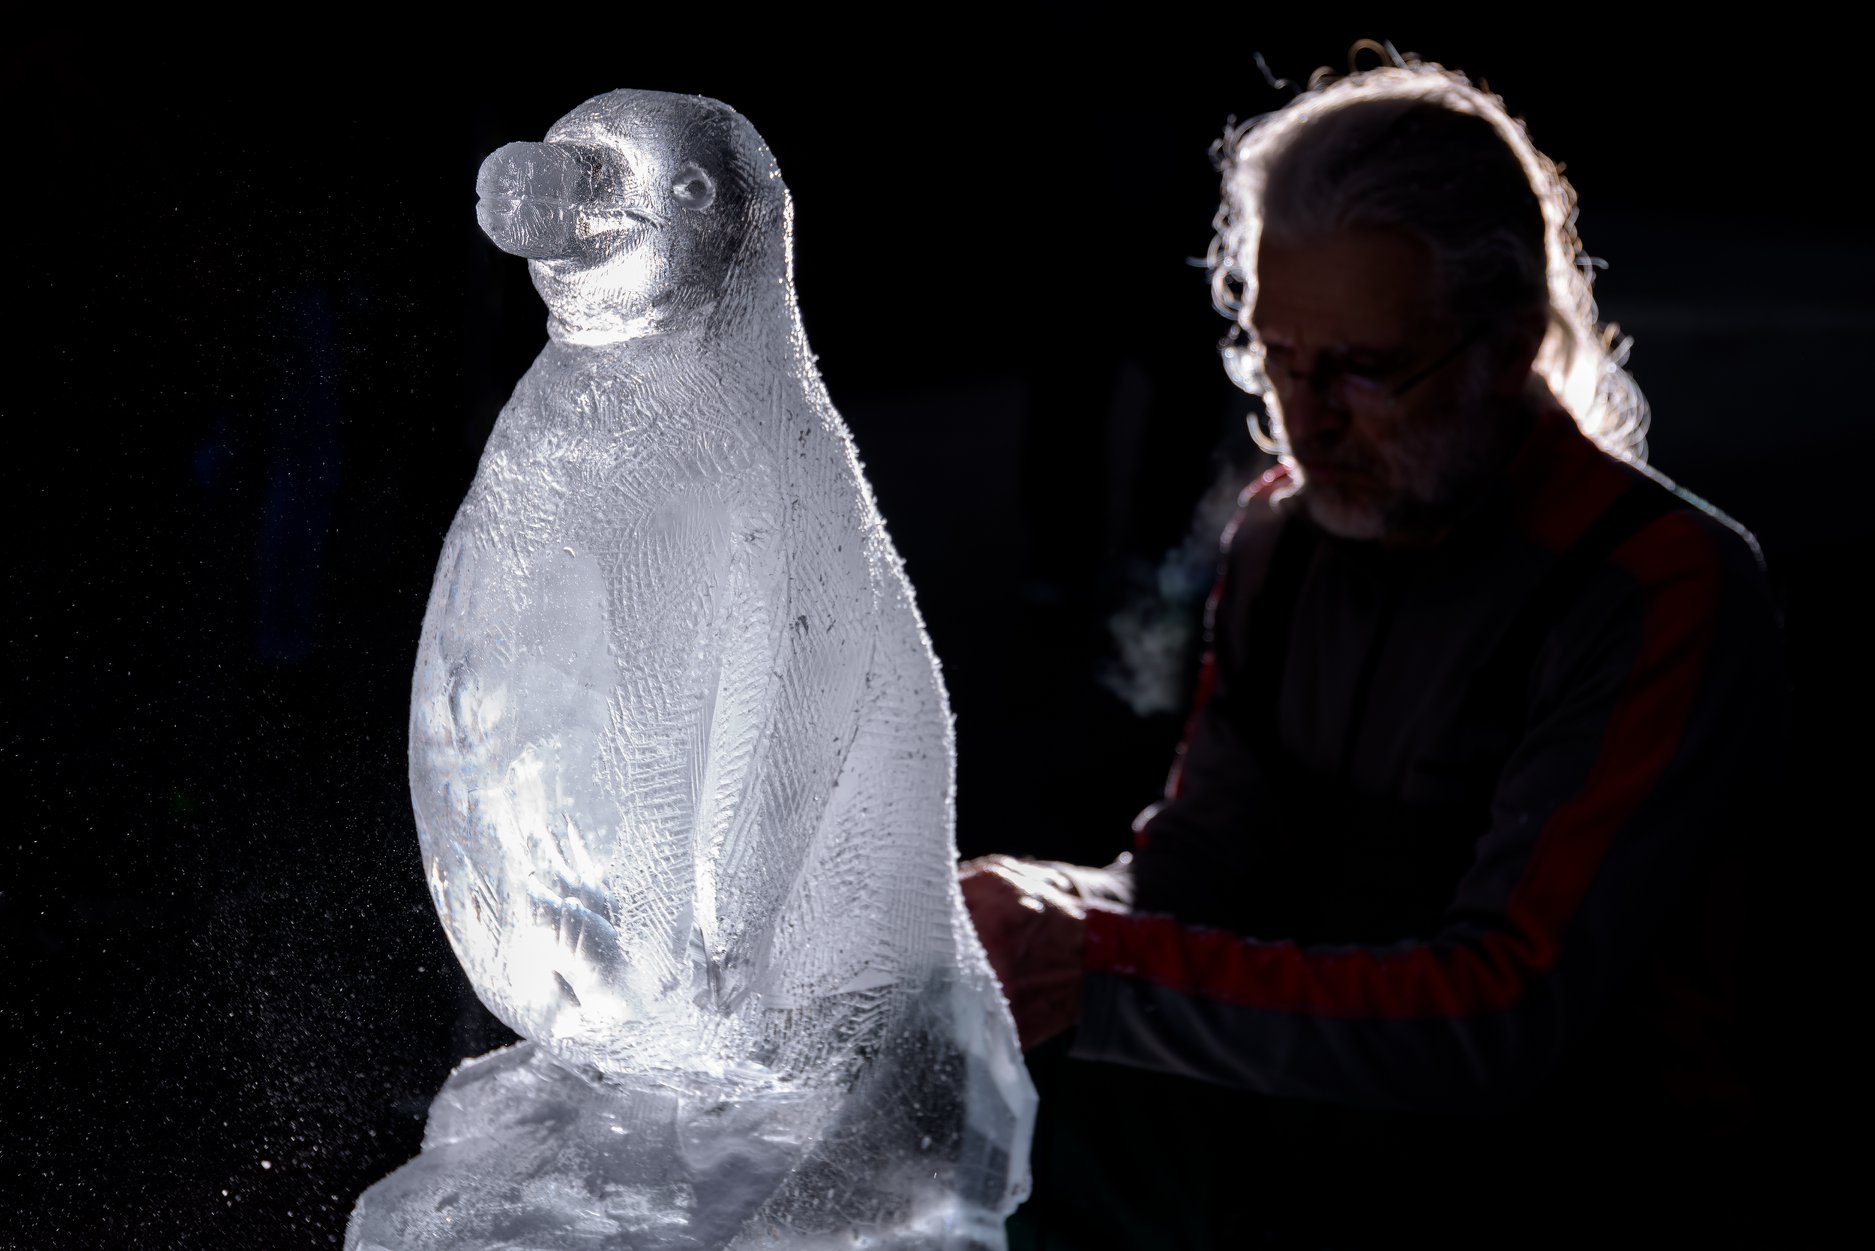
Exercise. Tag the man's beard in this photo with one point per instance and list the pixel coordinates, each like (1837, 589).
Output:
(1414, 485)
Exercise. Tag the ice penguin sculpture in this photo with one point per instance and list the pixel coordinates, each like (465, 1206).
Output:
(681, 762)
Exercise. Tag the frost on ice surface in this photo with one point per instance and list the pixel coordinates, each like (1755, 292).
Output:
(681, 762)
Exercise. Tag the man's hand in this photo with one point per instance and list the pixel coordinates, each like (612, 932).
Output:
(1033, 923)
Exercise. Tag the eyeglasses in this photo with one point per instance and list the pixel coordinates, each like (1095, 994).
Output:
(1358, 389)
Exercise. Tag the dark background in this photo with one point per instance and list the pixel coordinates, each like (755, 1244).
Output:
(256, 343)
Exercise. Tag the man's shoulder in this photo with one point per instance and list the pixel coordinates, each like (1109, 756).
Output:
(1263, 497)
(1569, 493)
(1249, 541)
(1672, 575)
(1684, 530)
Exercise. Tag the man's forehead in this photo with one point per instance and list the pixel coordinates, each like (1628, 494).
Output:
(1347, 289)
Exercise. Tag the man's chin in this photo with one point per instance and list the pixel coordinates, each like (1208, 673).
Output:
(1342, 516)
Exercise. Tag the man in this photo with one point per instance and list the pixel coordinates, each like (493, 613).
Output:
(1433, 906)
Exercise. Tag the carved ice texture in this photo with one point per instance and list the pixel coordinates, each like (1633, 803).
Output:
(682, 763)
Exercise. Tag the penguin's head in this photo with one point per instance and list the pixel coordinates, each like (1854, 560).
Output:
(642, 213)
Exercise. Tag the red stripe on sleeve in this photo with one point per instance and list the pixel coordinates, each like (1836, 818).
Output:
(1678, 564)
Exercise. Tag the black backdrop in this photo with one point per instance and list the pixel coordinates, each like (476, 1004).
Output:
(256, 342)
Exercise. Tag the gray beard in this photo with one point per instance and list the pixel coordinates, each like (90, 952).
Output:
(1441, 474)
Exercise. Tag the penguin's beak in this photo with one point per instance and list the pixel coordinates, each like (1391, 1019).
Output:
(532, 194)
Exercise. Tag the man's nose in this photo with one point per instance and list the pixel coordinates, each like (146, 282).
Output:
(1311, 411)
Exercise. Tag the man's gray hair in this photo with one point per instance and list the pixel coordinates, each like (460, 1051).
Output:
(1414, 147)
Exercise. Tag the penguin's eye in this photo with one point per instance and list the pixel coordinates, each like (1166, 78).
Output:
(694, 188)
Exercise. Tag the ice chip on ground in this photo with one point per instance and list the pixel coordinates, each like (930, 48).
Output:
(682, 764)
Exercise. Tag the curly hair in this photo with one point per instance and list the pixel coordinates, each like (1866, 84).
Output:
(1413, 146)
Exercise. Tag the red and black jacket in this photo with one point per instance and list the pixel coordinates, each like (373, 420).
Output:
(1448, 820)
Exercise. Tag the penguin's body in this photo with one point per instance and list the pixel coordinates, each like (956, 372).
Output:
(680, 756)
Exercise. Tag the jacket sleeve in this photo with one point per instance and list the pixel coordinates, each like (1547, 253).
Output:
(1660, 697)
